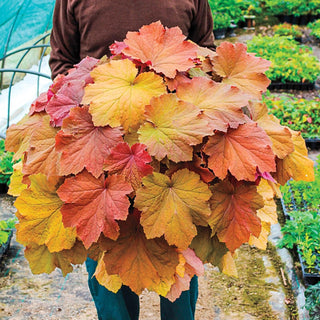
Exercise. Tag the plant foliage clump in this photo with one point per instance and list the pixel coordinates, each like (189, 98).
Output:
(5, 228)
(287, 29)
(315, 28)
(152, 162)
(291, 62)
(298, 114)
(6, 164)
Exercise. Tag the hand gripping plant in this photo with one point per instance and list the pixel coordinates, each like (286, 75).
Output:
(152, 162)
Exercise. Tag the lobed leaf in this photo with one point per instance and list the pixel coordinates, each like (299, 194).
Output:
(41, 156)
(234, 216)
(221, 104)
(172, 127)
(93, 205)
(40, 220)
(118, 95)
(140, 263)
(296, 165)
(83, 145)
(131, 163)
(164, 50)
(172, 207)
(240, 151)
(241, 69)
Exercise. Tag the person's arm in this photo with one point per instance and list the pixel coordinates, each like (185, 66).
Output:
(65, 39)
(201, 31)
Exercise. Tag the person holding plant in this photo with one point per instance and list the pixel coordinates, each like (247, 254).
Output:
(88, 28)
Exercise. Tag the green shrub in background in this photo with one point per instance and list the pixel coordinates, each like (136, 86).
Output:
(236, 9)
(287, 29)
(312, 294)
(221, 20)
(302, 201)
(293, 7)
(298, 114)
(291, 62)
(5, 229)
(6, 164)
(315, 28)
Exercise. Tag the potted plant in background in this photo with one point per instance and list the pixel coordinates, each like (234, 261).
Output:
(221, 22)
(6, 167)
(6, 230)
(250, 8)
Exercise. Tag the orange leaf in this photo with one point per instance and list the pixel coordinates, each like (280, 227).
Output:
(241, 151)
(118, 96)
(220, 103)
(162, 49)
(241, 69)
(42, 156)
(279, 135)
(296, 165)
(171, 207)
(83, 145)
(234, 216)
(40, 219)
(172, 128)
(92, 205)
(18, 135)
(131, 163)
(139, 262)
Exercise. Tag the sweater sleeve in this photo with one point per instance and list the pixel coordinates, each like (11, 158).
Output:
(64, 40)
(201, 31)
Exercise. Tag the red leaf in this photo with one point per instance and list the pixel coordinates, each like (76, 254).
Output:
(83, 145)
(81, 71)
(131, 163)
(68, 96)
(39, 104)
(92, 205)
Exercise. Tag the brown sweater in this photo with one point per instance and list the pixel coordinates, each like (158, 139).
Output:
(87, 27)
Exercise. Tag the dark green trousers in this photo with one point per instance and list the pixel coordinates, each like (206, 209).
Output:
(124, 305)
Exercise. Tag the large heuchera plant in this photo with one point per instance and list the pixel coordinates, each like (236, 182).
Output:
(152, 162)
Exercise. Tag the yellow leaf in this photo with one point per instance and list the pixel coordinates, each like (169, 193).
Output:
(172, 207)
(41, 219)
(172, 128)
(111, 282)
(41, 260)
(262, 241)
(118, 96)
(16, 186)
(296, 165)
